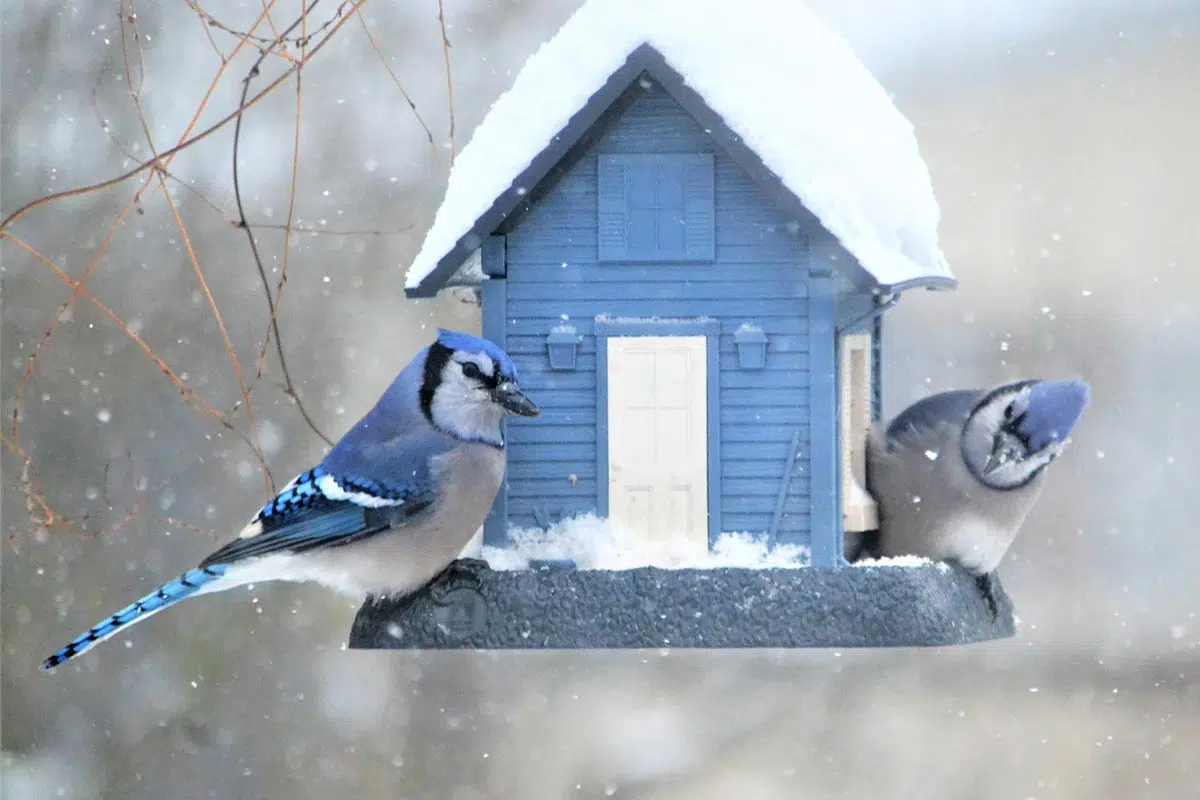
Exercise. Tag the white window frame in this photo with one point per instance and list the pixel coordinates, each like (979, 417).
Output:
(860, 512)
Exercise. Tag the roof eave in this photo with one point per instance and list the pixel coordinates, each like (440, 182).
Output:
(934, 283)
(643, 58)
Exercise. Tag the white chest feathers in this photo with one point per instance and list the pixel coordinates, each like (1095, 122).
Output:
(976, 543)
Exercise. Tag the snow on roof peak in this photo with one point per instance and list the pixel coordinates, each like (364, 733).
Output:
(792, 89)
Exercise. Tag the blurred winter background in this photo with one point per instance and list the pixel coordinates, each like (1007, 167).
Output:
(1064, 141)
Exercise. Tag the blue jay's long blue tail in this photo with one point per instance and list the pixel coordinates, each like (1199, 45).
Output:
(183, 587)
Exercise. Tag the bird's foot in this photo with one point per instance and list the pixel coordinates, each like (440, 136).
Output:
(987, 588)
(463, 571)
(862, 545)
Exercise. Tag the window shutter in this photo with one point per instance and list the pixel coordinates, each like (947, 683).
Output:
(656, 207)
(699, 208)
(613, 230)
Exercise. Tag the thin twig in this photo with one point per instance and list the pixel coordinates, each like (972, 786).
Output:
(300, 41)
(244, 223)
(136, 97)
(279, 40)
(200, 15)
(187, 525)
(186, 392)
(185, 142)
(41, 514)
(36, 507)
(437, 153)
(449, 77)
(162, 160)
(31, 363)
(227, 215)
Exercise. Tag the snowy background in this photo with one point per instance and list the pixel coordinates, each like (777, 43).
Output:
(1061, 136)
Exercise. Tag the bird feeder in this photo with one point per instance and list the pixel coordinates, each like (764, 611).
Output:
(641, 224)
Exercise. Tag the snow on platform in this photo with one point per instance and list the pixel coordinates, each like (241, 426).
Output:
(789, 86)
(593, 542)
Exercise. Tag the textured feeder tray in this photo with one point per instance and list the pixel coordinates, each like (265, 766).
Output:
(554, 606)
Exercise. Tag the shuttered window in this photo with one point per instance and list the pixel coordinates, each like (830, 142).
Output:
(656, 207)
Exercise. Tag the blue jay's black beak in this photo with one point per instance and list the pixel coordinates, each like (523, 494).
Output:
(996, 459)
(512, 400)
(1009, 446)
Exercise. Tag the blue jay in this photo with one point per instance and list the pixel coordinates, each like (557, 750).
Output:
(955, 474)
(392, 504)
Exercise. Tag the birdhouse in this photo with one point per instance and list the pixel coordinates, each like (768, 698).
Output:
(686, 230)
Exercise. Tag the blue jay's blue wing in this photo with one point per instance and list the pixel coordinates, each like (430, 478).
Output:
(952, 407)
(381, 487)
(321, 522)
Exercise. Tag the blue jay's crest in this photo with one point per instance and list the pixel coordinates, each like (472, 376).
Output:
(1052, 411)
(456, 340)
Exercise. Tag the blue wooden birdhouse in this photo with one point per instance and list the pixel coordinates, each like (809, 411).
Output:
(686, 230)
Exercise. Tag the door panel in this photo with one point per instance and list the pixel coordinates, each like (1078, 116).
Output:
(658, 438)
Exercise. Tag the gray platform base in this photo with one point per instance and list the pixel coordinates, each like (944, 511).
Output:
(476, 608)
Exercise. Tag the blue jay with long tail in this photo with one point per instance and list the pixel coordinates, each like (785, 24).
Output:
(956, 473)
(394, 502)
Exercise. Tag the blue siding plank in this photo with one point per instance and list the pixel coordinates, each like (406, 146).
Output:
(558, 415)
(765, 471)
(764, 486)
(584, 488)
(554, 452)
(559, 434)
(542, 382)
(772, 452)
(544, 321)
(793, 526)
(793, 506)
(747, 523)
(760, 432)
(764, 379)
(681, 288)
(555, 268)
(780, 363)
(559, 506)
(542, 470)
(640, 307)
(775, 359)
(763, 414)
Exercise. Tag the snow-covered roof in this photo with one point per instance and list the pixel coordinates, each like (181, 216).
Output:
(788, 86)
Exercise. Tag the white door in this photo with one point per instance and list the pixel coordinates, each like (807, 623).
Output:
(658, 439)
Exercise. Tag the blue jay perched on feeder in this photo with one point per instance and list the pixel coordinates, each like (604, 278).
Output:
(394, 502)
(955, 474)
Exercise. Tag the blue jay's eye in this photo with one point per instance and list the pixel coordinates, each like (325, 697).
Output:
(1008, 411)
(471, 370)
